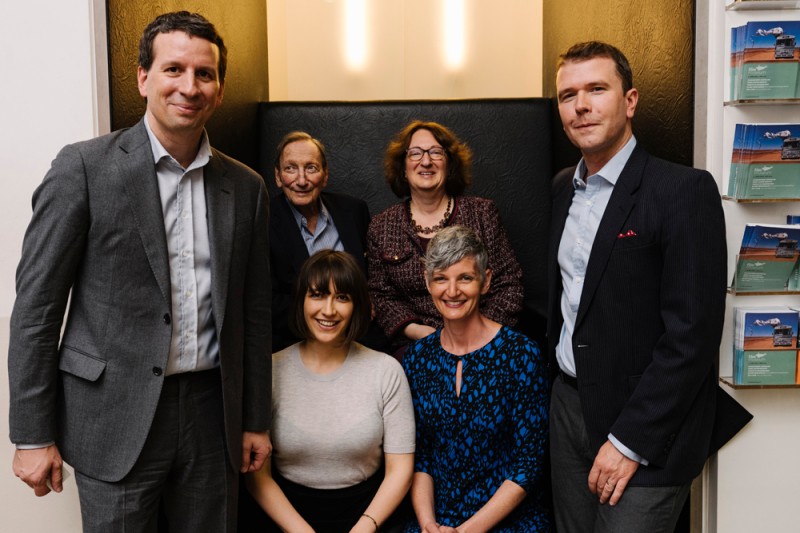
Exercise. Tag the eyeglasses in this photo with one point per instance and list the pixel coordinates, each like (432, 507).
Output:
(293, 170)
(415, 154)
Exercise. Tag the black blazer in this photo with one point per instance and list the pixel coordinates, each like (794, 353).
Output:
(288, 251)
(649, 322)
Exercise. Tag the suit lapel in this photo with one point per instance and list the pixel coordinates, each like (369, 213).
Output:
(622, 201)
(138, 173)
(220, 204)
(342, 219)
(287, 232)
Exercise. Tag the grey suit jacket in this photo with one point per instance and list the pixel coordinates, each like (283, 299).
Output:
(97, 232)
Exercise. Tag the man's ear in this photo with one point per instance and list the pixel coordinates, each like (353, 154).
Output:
(141, 81)
(632, 98)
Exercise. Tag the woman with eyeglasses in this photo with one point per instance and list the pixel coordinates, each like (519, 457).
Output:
(342, 420)
(429, 168)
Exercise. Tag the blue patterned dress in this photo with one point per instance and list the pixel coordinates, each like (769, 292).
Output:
(494, 431)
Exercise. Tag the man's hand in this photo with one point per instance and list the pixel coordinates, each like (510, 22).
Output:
(38, 466)
(610, 474)
(256, 447)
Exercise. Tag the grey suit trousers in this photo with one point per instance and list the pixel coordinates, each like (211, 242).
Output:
(577, 510)
(183, 465)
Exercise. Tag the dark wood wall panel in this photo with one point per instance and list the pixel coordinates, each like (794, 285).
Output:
(658, 39)
(243, 26)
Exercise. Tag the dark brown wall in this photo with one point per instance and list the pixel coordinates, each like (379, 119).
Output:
(658, 39)
(243, 26)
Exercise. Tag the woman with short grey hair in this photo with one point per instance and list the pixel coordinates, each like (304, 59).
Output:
(480, 398)
(452, 245)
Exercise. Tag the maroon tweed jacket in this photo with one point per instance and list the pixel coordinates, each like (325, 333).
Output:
(396, 275)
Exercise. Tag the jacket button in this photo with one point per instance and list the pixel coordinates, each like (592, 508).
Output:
(166, 319)
(157, 371)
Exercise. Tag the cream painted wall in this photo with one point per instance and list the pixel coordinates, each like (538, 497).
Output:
(405, 50)
(48, 100)
(751, 484)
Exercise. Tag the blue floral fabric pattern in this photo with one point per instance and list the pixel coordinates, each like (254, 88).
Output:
(495, 430)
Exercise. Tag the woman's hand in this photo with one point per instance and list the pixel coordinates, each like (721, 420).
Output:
(433, 527)
(417, 331)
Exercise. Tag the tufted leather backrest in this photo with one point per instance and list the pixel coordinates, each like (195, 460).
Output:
(512, 144)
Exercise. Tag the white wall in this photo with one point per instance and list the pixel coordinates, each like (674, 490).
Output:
(48, 101)
(751, 483)
(406, 45)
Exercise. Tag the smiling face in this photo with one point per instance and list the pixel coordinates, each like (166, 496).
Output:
(426, 175)
(182, 86)
(595, 111)
(327, 314)
(301, 175)
(456, 290)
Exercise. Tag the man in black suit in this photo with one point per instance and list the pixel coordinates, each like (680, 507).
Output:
(303, 220)
(637, 300)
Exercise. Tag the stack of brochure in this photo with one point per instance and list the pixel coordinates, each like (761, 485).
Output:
(768, 259)
(765, 347)
(765, 60)
(765, 162)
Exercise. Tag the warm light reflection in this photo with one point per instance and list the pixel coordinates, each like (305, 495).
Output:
(454, 22)
(356, 33)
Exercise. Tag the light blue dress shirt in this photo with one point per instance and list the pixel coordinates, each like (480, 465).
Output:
(326, 236)
(194, 345)
(585, 213)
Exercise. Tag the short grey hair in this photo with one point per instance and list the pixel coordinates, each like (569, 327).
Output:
(452, 244)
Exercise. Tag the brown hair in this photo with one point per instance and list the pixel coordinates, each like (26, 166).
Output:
(459, 159)
(592, 49)
(317, 273)
(193, 24)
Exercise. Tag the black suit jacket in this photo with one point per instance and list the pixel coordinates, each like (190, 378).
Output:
(649, 322)
(288, 251)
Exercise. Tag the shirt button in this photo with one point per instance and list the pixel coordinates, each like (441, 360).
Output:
(167, 320)
(157, 371)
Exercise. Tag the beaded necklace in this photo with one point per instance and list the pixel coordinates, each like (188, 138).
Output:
(433, 229)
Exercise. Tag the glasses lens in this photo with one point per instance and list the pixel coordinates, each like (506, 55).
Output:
(414, 154)
(436, 153)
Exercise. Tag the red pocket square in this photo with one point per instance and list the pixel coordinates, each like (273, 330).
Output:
(629, 233)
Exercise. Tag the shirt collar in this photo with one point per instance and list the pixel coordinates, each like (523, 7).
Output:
(611, 170)
(159, 152)
(301, 220)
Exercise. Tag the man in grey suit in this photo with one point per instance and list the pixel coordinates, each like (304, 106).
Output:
(159, 388)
